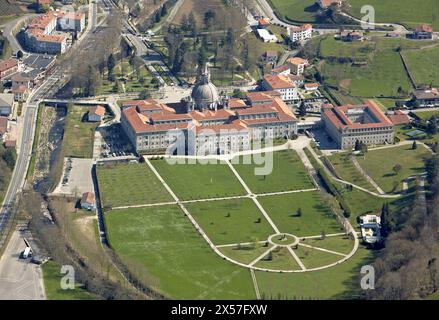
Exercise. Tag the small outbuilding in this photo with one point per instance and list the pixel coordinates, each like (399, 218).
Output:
(88, 201)
(96, 114)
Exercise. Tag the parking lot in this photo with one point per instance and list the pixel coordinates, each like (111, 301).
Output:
(76, 178)
(114, 143)
(323, 140)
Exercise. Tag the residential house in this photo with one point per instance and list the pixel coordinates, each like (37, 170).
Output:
(270, 56)
(300, 33)
(263, 23)
(297, 65)
(324, 4)
(427, 97)
(8, 67)
(424, 31)
(96, 114)
(311, 86)
(351, 35)
(281, 70)
(266, 35)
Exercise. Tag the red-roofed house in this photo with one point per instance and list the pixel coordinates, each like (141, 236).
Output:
(424, 31)
(300, 33)
(96, 114)
(398, 117)
(8, 67)
(324, 4)
(282, 84)
(364, 123)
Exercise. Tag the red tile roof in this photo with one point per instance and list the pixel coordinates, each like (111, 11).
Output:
(399, 117)
(98, 110)
(424, 28)
(278, 81)
(8, 64)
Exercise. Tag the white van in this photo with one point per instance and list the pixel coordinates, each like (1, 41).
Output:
(27, 253)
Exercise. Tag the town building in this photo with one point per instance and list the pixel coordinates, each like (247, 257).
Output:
(265, 35)
(427, 97)
(88, 201)
(21, 86)
(297, 65)
(324, 4)
(6, 104)
(311, 86)
(8, 67)
(96, 114)
(398, 117)
(300, 33)
(424, 31)
(282, 84)
(40, 37)
(158, 128)
(281, 70)
(365, 123)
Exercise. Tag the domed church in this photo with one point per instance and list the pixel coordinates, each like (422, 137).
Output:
(204, 94)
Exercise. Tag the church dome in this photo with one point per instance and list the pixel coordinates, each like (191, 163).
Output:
(205, 94)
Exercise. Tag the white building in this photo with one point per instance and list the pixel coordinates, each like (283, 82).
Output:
(364, 123)
(300, 33)
(282, 84)
(266, 35)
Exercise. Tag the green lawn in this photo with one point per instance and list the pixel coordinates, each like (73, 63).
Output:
(199, 181)
(379, 165)
(382, 77)
(316, 214)
(336, 282)
(345, 169)
(342, 244)
(424, 65)
(78, 133)
(231, 221)
(296, 10)
(52, 280)
(161, 247)
(245, 253)
(281, 259)
(288, 172)
(130, 184)
(408, 12)
(313, 258)
(425, 115)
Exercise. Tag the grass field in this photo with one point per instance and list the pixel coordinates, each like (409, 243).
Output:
(281, 259)
(316, 215)
(52, 279)
(78, 133)
(245, 253)
(424, 65)
(161, 247)
(345, 169)
(231, 221)
(313, 258)
(130, 184)
(297, 10)
(329, 283)
(425, 115)
(407, 12)
(379, 165)
(342, 244)
(199, 181)
(382, 77)
(288, 173)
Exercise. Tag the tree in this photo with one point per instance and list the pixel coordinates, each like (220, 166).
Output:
(19, 54)
(397, 168)
(387, 222)
(302, 109)
(357, 145)
(111, 63)
(432, 126)
(144, 94)
(299, 212)
(414, 145)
